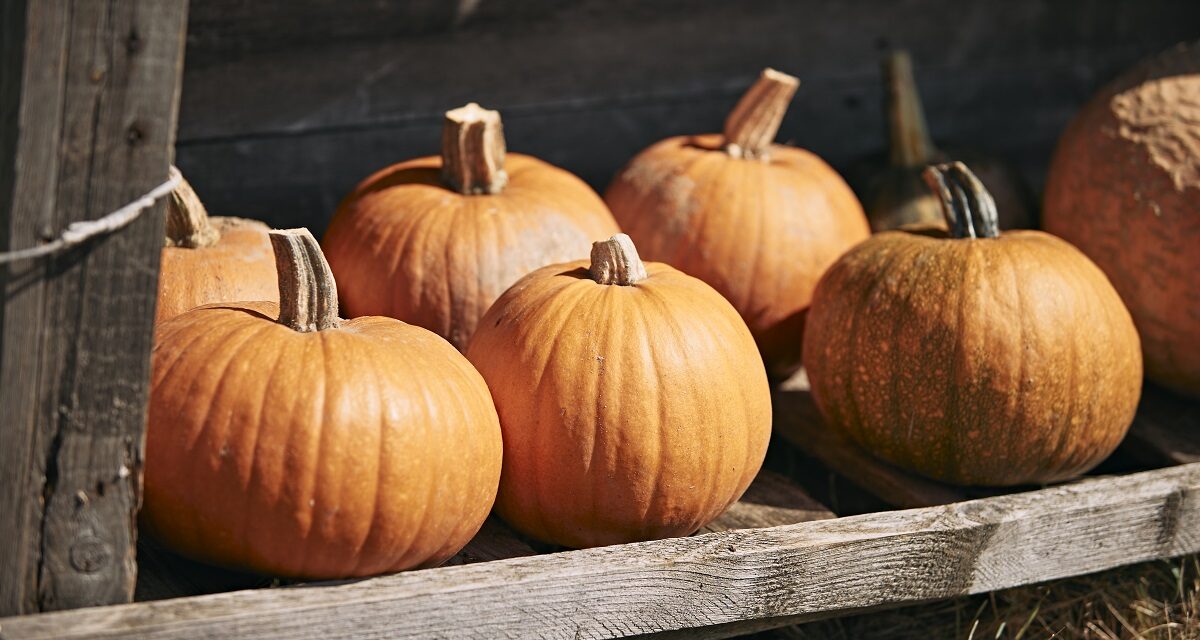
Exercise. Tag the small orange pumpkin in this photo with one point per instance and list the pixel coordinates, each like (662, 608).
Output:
(633, 402)
(1124, 187)
(434, 241)
(209, 260)
(758, 222)
(979, 359)
(313, 447)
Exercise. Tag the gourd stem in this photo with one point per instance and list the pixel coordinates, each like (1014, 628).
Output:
(473, 151)
(751, 126)
(616, 261)
(187, 220)
(910, 144)
(968, 208)
(307, 293)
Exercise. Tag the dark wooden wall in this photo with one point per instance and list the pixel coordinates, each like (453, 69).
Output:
(288, 103)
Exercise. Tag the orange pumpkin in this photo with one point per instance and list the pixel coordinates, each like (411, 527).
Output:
(1124, 187)
(209, 260)
(758, 222)
(632, 399)
(893, 191)
(434, 241)
(979, 359)
(285, 441)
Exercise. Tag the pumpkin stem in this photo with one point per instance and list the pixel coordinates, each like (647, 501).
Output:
(616, 261)
(187, 220)
(307, 293)
(473, 150)
(753, 123)
(910, 144)
(968, 208)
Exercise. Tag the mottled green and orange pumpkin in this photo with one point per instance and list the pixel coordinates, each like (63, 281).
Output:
(434, 241)
(286, 441)
(759, 222)
(977, 358)
(633, 401)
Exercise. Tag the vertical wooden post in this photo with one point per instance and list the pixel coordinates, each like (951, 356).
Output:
(89, 91)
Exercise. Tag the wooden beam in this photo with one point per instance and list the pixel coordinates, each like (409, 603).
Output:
(89, 101)
(1166, 430)
(740, 580)
(771, 500)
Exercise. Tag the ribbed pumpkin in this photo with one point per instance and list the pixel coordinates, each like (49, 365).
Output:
(632, 399)
(978, 359)
(758, 222)
(893, 191)
(1124, 187)
(209, 260)
(434, 241)
(313, 447)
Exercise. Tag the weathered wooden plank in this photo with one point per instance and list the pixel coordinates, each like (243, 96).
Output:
(1166, 429)
(772, 500)
(748, 577)
(800, 423)
(495, 541)
(163, 574)
(89, 100)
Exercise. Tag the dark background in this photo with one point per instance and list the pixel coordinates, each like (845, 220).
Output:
(288, 103)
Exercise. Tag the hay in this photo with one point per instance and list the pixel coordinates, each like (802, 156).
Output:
(1150, 601)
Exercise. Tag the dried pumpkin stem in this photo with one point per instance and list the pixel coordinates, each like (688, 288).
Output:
(751, 126)
(908, 133)
(307, 293)
(968, 208)
(187, 220)
(616, 261)
(473, 151)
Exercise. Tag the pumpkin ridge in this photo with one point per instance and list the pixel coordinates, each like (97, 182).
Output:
(645, 330)
(916, 272)
(246, 517)
(857, 415)
(372, 520)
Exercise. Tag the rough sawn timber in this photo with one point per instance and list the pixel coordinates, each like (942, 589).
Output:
(754, 578)
(89, 92)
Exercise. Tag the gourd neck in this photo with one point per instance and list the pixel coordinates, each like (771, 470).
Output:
(751, 126)
(968, 208)
(187, 220)
(473, 151)
(908, 133)
(307, 292)
(615, 261)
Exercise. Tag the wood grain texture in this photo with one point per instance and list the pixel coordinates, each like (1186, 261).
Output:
(800, 423)
(1166, 430)
(282, 126)
(772, 500)
(89, 121)
(754, 577)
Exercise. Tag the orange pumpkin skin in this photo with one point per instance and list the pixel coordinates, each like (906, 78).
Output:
(995, 361)
(369, 448)
(629, 412)
(240, 266)
(759, 232)
(1124, 187)
(406, 246)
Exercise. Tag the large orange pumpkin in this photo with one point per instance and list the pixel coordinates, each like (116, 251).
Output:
(1124, 187)
(632, 399)
(286, 441)
(979, 359)
(758, 222)
(892, 188)
(434, 241)
(208, 260)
